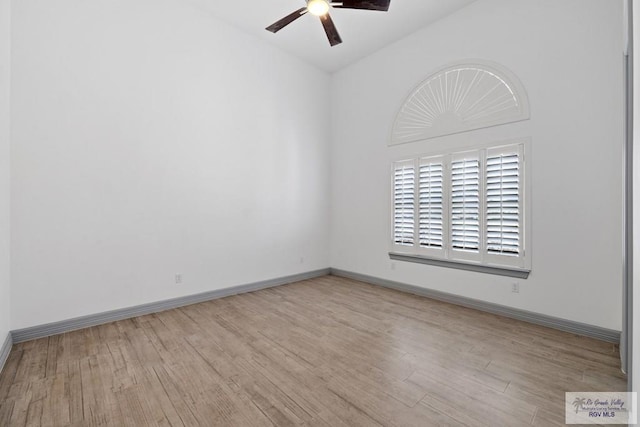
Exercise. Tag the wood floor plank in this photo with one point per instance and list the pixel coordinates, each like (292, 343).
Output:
(545, 418)
(62, 354)
(471, 370)
(20, 409)
(74, 391)
(34, 413)
(56, 404)
(6, 411)
(9, 372)
(134, 408)
(181, 407)
(321, 352)
(34, 366)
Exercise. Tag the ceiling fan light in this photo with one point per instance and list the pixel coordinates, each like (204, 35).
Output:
(318, 7)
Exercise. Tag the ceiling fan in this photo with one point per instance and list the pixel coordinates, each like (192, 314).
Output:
(320, 8)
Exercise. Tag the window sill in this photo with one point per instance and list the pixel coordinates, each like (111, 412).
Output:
(518, 273)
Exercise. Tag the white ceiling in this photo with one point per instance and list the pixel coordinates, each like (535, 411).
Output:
(363, 32)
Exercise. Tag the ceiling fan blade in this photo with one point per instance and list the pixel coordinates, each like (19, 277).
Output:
(277, 26)
(331, 30)
(382, 5)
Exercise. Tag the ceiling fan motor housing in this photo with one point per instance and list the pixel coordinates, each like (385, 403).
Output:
(320, 8)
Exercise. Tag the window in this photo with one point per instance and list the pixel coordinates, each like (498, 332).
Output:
(460, 97)
(464, 207)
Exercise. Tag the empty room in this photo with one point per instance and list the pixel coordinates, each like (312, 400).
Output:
(318, 213)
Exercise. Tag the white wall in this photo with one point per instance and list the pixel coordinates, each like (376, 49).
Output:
(129, 120)
(150, 138)
(568, 56)
(4, 167)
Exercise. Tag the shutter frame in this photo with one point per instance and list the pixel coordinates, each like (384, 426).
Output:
(403, 232)
(465, 205)
(513, 218)
(427, 220)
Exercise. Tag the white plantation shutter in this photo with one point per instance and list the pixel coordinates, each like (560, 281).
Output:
(503, 201)
(465, 204)
(404, 203)
(430, 184)
(463, 207)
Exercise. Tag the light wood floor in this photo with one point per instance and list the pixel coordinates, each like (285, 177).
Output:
(327, 352)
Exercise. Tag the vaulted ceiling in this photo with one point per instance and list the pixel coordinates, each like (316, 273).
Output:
(363, 32)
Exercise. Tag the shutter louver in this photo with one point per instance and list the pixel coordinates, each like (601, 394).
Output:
(430, 205)
(403, 204)
(503, 204)
(465, 204)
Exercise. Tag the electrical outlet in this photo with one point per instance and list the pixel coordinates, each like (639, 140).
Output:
(178, 278)
(301, 260)
(393, 265)
(515, 287)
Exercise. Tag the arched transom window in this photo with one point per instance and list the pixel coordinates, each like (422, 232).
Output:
(459, 98)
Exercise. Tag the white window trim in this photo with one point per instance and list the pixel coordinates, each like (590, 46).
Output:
(485, 261)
